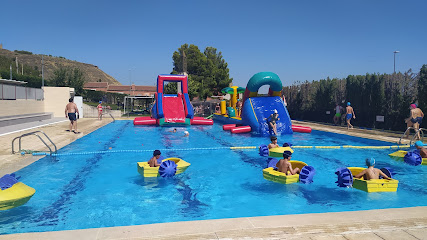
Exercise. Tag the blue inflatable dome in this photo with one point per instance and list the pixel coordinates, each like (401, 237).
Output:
(413, 158)
(167, 169)
(7, 181)
(272, 162)
(345, 178)
(263, 150)
(387, 171)
(306, 175)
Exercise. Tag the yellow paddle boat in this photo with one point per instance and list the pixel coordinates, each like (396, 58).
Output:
(15, 196)
(146, 171)
(278, 152)
(373, 185)
(399, 155)
(279, 177)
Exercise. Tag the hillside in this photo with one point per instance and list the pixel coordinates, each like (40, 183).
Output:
(91, 72)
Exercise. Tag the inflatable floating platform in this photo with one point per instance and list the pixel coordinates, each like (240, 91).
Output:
(400, 155)
(346, 179)
(13, 193)
(146, 171)
(305, 176)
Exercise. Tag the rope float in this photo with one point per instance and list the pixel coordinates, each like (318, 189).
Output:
(216, 148)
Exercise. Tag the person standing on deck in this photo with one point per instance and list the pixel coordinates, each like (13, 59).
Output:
(70, 112)
(415, 119)
(350, 114)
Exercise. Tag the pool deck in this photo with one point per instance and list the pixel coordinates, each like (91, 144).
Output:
(386, 224)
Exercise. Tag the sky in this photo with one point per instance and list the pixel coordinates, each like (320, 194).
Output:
(133, 41)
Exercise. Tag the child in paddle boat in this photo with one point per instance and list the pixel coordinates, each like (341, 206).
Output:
(371, 172)
(420, 147)
(273, 143)
(284, 166)
(153, 161)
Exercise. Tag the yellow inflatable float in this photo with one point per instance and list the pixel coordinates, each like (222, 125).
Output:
(373, 185)
(346, 179)
(279, 177)
(278, 152)
(146, 171)
(13, 193)
(399, 155)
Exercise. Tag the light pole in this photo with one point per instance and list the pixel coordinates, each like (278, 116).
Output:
(394, 68)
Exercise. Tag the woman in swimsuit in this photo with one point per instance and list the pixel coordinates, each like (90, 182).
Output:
(99, 110)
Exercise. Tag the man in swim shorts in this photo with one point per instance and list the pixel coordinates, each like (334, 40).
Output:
(337, 115)
(70, 112)
(272, 122)
(153, 160)
(371, 172)
(414, 120)
(284, 166)
(350, 114)
(273, 143)
(420, 147)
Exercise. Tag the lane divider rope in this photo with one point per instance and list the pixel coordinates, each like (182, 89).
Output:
(217, 148)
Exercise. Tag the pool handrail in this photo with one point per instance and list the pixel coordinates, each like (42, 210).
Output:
(34, 133)
(420, 130)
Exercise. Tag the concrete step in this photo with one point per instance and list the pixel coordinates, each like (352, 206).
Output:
(24, 118)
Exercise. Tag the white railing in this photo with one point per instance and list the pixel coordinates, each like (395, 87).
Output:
(13, 92)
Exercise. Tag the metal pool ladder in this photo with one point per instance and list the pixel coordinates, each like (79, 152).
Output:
(34, 133)
(420, 130)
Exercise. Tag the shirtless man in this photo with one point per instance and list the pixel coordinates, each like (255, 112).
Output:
(70, 113)
(153, 160)
(371, 172)
(273, 143)
(284, 166)
(415, 119)
(350, 114)
(420, 147)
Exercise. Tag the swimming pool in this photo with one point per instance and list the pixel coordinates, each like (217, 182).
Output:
(105, 190)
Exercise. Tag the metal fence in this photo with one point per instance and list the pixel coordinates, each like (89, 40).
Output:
(13, 92)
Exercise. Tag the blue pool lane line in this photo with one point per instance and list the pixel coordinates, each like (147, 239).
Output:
(51, 214)
(226, 146)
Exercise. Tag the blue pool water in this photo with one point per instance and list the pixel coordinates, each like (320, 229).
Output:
(105, 190)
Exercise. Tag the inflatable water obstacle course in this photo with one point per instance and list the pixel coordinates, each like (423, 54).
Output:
(172, 109)
(256, 109)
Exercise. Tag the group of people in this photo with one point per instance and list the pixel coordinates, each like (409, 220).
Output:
(349, 114)
(72, 113)
(414, 120)
(284, 165)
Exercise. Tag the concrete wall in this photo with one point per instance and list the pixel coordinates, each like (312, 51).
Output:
(78, 100)
(21, 106)
(55, 100)
(92, 112)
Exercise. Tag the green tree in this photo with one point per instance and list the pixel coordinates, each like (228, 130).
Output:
(208, 72)
(76, 80)
(59, 78)
(67, 77)
(422, 88)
